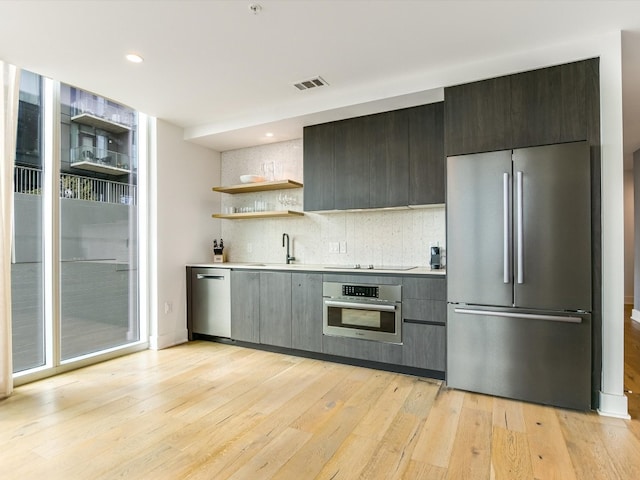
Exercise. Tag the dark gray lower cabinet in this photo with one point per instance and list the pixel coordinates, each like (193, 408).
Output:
(275, 308)
(424, 345)
(362, 349)
(306, 311)
(424, 313)
(245, 306)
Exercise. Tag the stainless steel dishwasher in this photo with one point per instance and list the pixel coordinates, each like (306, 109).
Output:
(211, 301)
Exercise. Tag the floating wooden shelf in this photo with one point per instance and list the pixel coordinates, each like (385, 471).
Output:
(258, 187)
(270, 214)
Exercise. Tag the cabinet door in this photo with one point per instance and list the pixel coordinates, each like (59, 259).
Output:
(426, 154)
(275, 308)
(548, 105)
(245, 306)
(478, 116)
(424, 345)
(389, 159)
(306, 311)
(319, 167)
(351, 149)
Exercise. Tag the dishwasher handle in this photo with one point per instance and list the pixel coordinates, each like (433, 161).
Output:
(209, 276)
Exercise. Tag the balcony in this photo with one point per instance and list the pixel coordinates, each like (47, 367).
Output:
(28, 181)
(100, 160)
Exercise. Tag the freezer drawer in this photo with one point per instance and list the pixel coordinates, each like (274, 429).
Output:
(211, 301)
(524, 355)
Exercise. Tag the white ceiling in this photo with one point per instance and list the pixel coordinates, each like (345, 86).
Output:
(226, 75)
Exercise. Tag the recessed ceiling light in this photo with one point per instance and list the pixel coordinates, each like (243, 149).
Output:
(134, 58)
(268, 134)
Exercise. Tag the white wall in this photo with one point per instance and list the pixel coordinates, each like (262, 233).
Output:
(387, 237)
(181, 227)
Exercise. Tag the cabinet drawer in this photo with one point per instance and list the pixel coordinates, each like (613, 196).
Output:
(424, 346)
(432, 311)
(362, 349)
(426, 288)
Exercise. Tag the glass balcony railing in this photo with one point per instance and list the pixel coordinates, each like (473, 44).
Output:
(98, 107)
(29, 181)
(100, 160)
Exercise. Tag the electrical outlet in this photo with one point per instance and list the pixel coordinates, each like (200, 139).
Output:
(168, 307)
(334, 247)
(343, 247)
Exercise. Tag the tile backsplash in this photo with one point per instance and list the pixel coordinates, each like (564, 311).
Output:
(378, 237)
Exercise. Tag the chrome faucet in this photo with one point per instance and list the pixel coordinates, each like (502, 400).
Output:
(289, 257)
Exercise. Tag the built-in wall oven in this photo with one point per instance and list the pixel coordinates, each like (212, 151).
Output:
(371, 312)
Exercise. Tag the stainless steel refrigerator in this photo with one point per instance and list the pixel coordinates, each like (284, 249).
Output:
(519, 274)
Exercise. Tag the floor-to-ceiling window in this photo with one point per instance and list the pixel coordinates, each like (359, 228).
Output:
(27, 281)
(75, 271)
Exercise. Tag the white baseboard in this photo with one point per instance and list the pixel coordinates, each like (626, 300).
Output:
(635, 315)
(158, 342)
(614, 406)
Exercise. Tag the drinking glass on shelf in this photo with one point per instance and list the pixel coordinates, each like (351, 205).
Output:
(268, 171)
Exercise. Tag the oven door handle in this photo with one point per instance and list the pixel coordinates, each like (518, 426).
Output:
(361, 306)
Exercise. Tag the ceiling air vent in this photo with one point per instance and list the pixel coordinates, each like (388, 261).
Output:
(311, 83)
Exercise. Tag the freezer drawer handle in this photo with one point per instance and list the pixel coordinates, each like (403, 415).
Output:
(529, 316)
(520, 232)
(202, 276)
(505, 230)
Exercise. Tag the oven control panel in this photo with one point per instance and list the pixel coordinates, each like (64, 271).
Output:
(360, 291)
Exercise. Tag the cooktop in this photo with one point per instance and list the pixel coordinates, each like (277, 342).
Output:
(357, 266)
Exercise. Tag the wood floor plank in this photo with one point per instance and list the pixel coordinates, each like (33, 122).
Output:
(547, 448)
(471, 454)
(510, 455)
(435, 443)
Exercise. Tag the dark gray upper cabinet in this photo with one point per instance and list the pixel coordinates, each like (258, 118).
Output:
(548, 105)
(351, 150)
(275, 308)
(426, 154)
(319, 167)
(477, 116)
(540, 107)
(389, 159)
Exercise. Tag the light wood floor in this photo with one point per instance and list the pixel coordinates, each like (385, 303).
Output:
(213, 411)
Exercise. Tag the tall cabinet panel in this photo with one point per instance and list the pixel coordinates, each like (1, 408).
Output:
(478, 116)
(426, 154)
(548, 105)
(351, 150)
(389, 159)
(319, 167)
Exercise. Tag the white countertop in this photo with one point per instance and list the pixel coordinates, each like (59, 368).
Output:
(296, 267)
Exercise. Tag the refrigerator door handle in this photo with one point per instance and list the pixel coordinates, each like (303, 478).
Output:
(527, 316)
(505, 235)
(520, 228)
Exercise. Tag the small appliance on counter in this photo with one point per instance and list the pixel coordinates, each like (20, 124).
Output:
(218, 252)
(435, 258)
